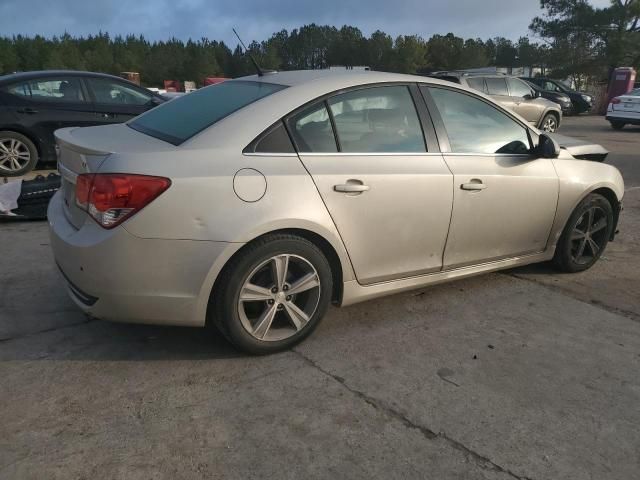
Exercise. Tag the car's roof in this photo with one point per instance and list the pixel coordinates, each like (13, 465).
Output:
(347, 78)
(12, 77)
(462, 73)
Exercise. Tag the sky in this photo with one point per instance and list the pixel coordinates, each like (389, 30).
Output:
(258, 19)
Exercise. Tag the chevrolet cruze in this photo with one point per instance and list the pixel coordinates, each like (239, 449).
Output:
(254, 204)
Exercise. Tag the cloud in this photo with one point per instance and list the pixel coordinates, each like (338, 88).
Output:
(258, 19)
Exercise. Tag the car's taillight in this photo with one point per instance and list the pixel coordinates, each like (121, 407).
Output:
(615, 100)
(111, 198)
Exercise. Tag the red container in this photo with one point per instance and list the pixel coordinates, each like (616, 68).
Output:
(621, 82)
(214, 80)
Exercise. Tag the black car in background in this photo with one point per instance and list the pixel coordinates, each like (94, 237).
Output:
(581, 101)
(560, 98)
(35, 104)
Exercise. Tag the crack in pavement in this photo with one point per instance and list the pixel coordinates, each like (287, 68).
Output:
(47, 330)
(633, 316)
(482, 461)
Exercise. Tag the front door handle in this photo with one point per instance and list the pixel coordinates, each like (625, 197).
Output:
(473, 185)
(352, 186)
(28, 110)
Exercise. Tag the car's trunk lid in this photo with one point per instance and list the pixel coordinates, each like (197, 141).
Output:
(628, 103)
(84, 150)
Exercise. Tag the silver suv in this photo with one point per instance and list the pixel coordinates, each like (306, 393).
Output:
(512, 93)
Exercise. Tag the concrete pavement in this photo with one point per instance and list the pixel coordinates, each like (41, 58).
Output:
(524, 374)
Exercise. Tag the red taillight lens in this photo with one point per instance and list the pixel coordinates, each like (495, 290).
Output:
(615, 101)
(111, 198)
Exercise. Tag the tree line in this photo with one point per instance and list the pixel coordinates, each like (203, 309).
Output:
(574, 39)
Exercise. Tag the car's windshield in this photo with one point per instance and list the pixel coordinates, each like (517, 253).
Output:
(180, 119)
(634, 93)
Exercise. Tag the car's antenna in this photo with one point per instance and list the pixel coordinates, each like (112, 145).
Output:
(253, 60)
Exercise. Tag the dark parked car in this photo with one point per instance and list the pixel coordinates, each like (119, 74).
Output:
(582, 102)
(35, 104)
(560, 98)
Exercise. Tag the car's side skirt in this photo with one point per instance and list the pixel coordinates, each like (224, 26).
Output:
(354, 292)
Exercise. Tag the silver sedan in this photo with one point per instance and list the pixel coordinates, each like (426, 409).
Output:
(253, 204)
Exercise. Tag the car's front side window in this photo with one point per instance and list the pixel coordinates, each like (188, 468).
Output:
(474, 126)
(377, 120)
(64, 90)
(497, 86)
(551, 86)
(517, 88)
(106, 91)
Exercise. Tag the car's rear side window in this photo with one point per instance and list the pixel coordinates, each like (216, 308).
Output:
(60, 90)
(312, 131)
(379, 120)
(178, 120)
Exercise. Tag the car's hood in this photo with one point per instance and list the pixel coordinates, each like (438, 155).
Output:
(580, 149)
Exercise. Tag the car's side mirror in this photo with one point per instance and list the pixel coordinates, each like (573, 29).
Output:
(528, 96)
(155, 101)
(547, 147)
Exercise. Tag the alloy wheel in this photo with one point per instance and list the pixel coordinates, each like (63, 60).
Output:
(550, 124)
(589, 236)
(279, 297)
(14, 155)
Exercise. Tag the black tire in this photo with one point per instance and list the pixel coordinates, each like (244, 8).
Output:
(550, 117)
(31, 148)
(617, 125)
(226, 314)
(567, 257)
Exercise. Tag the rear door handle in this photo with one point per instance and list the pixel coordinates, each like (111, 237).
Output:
(473, 185)
(351, 188)
(28, 110)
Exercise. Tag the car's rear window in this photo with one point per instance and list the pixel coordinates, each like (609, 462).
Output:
(178, 120)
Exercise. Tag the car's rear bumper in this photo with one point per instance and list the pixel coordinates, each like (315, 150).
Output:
(623, 116)
(114, 275)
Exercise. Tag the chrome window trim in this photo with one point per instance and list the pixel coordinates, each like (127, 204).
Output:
(370, 154)
(387, 154)
(269, 154)
(467, 154)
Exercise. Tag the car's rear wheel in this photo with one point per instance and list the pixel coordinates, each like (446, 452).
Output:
(549, 123)
(273, 294)
(18, 154)
(618, 125)
(586, 235)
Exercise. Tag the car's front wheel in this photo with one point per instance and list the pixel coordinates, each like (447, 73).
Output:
(617, 125)
(273, 294)
(18, 154)
(549, 123)
(585, 236)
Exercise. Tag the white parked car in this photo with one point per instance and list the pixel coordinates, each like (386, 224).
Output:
(624, 110)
